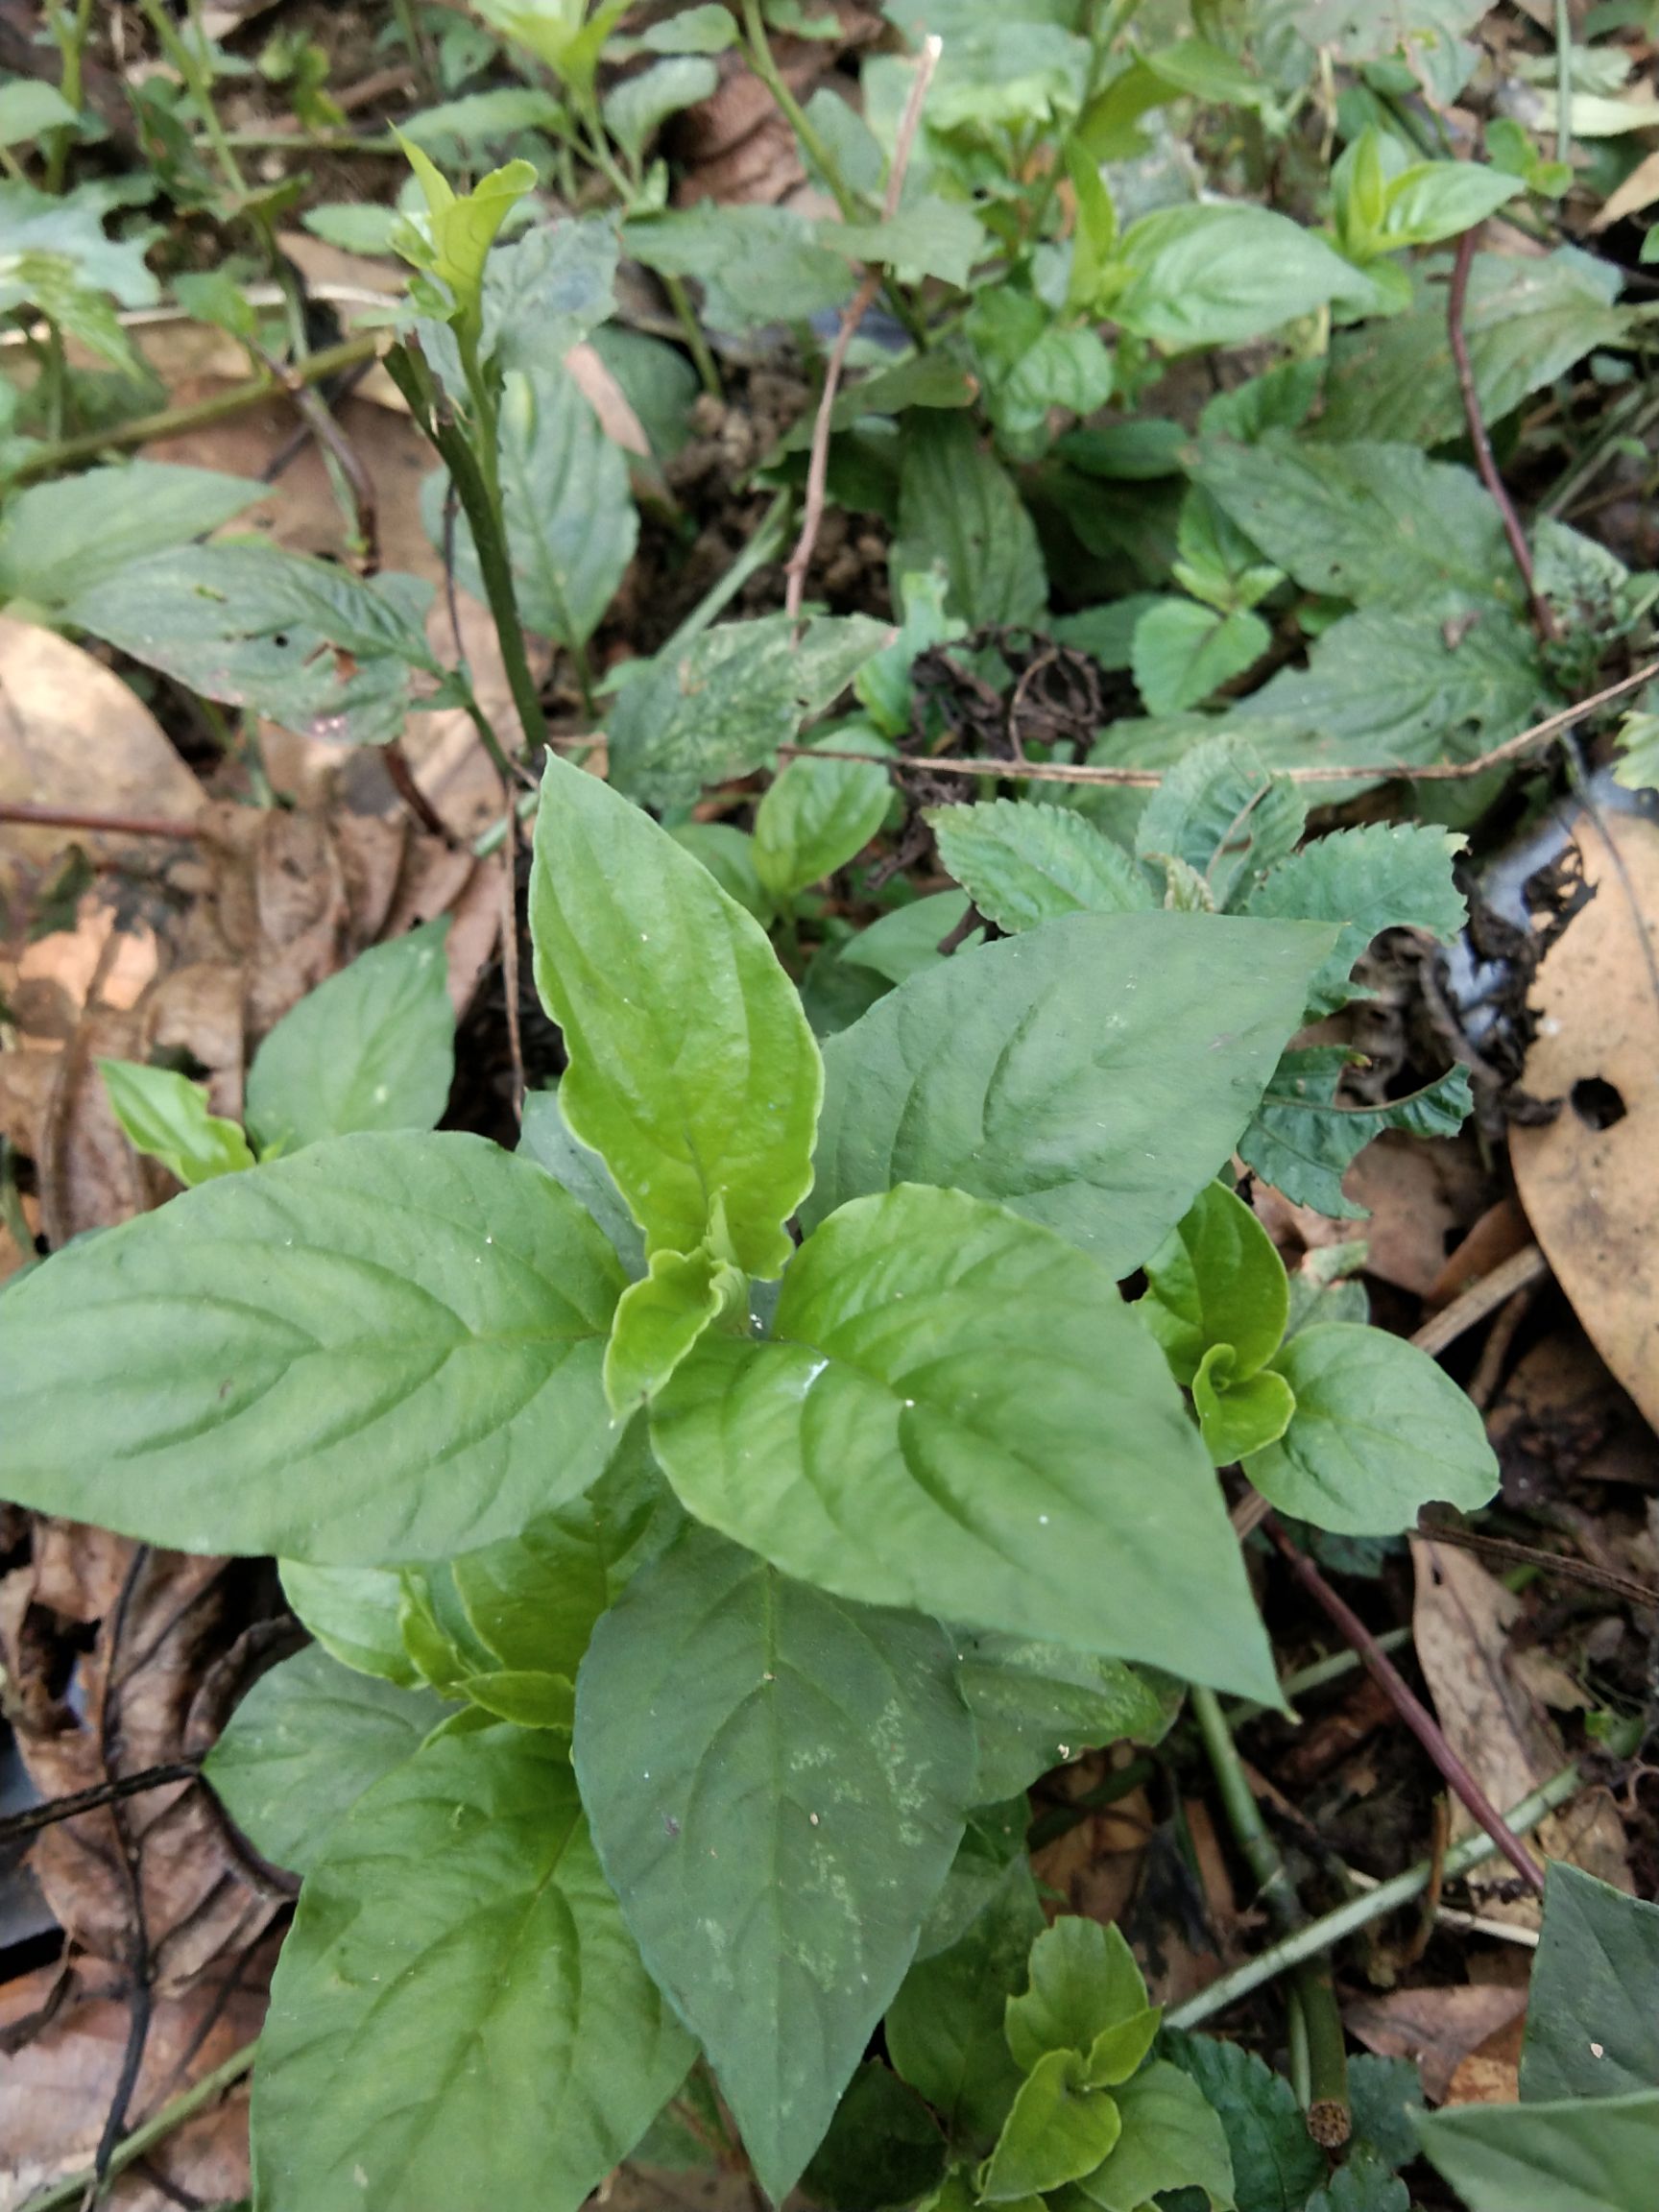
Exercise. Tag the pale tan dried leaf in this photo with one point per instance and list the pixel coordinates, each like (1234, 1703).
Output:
(1435, 2028)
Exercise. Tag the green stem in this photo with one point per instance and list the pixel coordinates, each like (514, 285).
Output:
(1563, 82)
(77, 2187)
(1333, 1928)
(696, 345)
(72, 85)
(1117, 18)
(197, 83)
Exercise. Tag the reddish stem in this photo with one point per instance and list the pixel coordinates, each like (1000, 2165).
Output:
(17, 810)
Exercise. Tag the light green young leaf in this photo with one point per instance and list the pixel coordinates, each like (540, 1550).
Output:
(1092, 1074)
(67, 229)
(1303, 1142)
(1433, 199)
(166, 1115)
(571, 527)
(300, 641)
(815, 817)
(721, 708)
(59, 540)
(390, 1342)
(1059, 2130)
(548, 1142)
(756, 265)
(1022, 863)
(727, 852)
(661, 1317)
(1216, 273)
(374, 1047)
(306, 1741)
(1591, 2026)
(1379, 1431)
(452, 241)
(1040, 1705)
(884, 683)
(354, 1613)
(1238, 1417)
(1172, 2140)
(1221, 811)
(776, 1782)
(944, 2030)
(1084, 1982)
(1218, 1279)
(692, 1070)
(478, 2030)
(29, 108)
(958, 506)
(636, 109)
(1596, 2154)
(955, 1412)
(1183, 653)
(1381, 876)
(561, 32)
(1275, 2161)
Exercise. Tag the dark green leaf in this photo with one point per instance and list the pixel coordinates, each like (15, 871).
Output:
(1385, 2094)
(958, 506)
(1022, 863)
(993, 1840)
(883, 2148)
(1223, 813)
(1275, 2161)
(1037, 1706)
(1363, 2184)
(547, 290)
(382, 1348)
(901, 944)
(1383, 875)
(1592, 2027)
(459, 2015)
(1092, 1074)
(1303, 1142)
(1183, 653)
(776, 1782)
(548, 1142)
(59, 540)
(956, 1412)
(1596, 2154)
(374, 1047)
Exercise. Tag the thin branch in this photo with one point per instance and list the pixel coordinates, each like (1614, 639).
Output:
(509, 950)
(73, 2190)
(1457, 304)
(34, 1817)
(29, 817)
(1518, 1272)
(1408, 1704)
(852, 315)
(402, 775)
(1568, 1570)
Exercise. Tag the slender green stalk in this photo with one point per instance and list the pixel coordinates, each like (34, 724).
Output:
(409, 31)
(1333, 1928)
(1115, 19)
(1563, 80)
(72, 46)
(765, 544)
(696, 345)
(197, 83)
(77, 2188)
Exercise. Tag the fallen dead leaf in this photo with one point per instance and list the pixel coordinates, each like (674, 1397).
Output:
(1421, 1199)
(1500, 1231)
(1491, 2074)
(1587, 1179)
(1435, 2028)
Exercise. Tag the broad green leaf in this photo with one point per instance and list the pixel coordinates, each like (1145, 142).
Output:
(1303, 1142)
(816, 817)
(1084, 1982)
(636, 109)
(1428, 34)
(929, 236)
(1238, 1417)
(67, 228)
(1218, 1279)
(1022, 863)
(29, 108)
(1362, 2184)
(571, 528)
(472, 124)
(1596, 2154)
(959, 507)
(459, 2015)
(1172, 2140)
(956, 1412)
(383, 1348)
(1040, 1705)
(901, 944)
(1275, 2161)
(721, 708)
(59, 540)
(692, 1071)
(1183, 653)
(661, 1317)
(580, 1171)
(705, 29)
(1592, 2029)
(1216, 273)
(1379, 1431)
(776, 1782)
(355, 1614)
(756, 265)
(993, 1840)
(1433, 199)
(1223, 813)
(1380, 525)
(727, 852)
(300, 641)
(1386, 2095)
(374, 1047)
(547, 290)
(306, 1741)
(884, 683)
(1383, 875)
(1092, 1074)
(1059, 2130)
(943, 2029)
(166, 1115)
(883, 2149)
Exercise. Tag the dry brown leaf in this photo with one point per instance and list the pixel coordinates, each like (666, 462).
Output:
(1587, 1180)
(1500, 1231)
(1435, 2028)
(1421, 1197)
(1639, 190)
(1496, 1726)
(1491, 2074)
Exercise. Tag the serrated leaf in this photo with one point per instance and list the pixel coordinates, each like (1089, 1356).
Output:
(756, 265)
(1303, 1142)
(166, 1115)
(958, 507)
(1183, 653)
(928, 237)
(1092, 1074)
(1379, 1431)
(776, 1782)
(1223, 813)
(815, 817)
(579, 1169)
(1040, 1705)
(305, 1742)
(478, 2030)
(383, 1348)
(1022, 863)
(1362, 2184)
(722, 706)
(1590, 2028)
(1275, 2161)
(1083, 1981)
(1383, 875)
(1580, 2155)
(373, 1048)
(1216, 1280)
(1058, 2128)
(1171, 2139)
(691, 1069)
(956, 1412)
(59, 540)
(1385, 2095)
